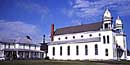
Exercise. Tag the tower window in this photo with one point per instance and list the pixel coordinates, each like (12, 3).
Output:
(77, 50)
(107, 39)
(106, 52)
(61, 50)
(96, 49)
(53, 51)
(106, 25)
(68, 50)
(104, 39)
(86, 50)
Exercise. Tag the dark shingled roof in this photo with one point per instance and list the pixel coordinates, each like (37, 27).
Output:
(79, 28)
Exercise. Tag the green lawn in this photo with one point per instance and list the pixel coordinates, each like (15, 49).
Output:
(52, 62)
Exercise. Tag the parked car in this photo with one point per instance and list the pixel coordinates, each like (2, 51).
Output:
(2, 58)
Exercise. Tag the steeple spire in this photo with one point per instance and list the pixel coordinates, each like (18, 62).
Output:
(107, 20)
(107, 14)
(118, 25)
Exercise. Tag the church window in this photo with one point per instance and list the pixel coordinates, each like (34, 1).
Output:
(106, 52)
(53, 51)
(96, 49)
(58, 38)
(86, 50)
(81, 36)
(68, 50)
(61, 50)
(90, 35)
(73, 37)
(104, 39)
(66, 37)
(107, 39)
(99, 34)
(77, 50)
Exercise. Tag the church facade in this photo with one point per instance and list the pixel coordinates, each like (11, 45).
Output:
(103, 40)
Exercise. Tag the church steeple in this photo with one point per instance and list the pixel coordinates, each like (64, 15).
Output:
(107, 15)
(107, 20)
(118, 25)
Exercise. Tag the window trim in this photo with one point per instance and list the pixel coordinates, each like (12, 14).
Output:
(82, 36)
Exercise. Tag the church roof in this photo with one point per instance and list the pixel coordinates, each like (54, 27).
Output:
(79, 28)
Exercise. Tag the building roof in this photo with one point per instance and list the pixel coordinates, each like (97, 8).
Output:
(79, 28)
(19, 40)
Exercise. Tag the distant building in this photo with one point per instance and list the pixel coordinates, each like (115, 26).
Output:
(103, 40)
(21, 48)
(44, 47)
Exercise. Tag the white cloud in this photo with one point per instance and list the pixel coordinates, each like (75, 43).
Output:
(90, 9)
(15, 29)
(76, 22)
(68, 12)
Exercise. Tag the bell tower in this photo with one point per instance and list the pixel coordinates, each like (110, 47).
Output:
(107, 20)
(119, 25)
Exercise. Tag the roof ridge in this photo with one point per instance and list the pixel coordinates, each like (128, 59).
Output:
(78, 25)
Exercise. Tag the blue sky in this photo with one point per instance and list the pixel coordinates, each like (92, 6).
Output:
(19, 18)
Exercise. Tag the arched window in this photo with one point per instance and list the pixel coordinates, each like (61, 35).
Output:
(104, 39)
(61, 50)
(107, 39)
(68, 50)
(96, 49)
(106, 52)
(86, 50)
(53, 51)
(77, 50)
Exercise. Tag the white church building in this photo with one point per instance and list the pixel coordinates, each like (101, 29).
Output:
(103, 40)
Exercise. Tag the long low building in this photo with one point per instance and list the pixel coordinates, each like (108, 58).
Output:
(21, 48)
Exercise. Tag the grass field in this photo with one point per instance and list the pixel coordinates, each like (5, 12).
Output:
(54, 62)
